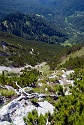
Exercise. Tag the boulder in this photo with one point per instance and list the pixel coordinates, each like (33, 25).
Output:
(17, 109)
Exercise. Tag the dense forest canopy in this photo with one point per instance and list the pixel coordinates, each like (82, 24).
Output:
(67, 16)
(32, 27)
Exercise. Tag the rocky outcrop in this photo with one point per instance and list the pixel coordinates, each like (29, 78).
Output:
(18, 108)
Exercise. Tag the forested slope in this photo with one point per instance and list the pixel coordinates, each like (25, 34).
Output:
(32, 27)
(55, 11)
(17, 51)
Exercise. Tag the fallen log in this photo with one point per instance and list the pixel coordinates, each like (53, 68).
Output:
(29, 96)
(35, 95)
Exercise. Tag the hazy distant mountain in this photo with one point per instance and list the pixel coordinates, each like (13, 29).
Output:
(25, 6)
(41, 6)
(66, 7)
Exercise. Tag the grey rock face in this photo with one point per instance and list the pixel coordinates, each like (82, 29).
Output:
(17, 109)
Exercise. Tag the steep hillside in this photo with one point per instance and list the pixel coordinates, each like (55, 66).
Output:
(18, 52)
(76, 21)
(62, 13)
(51, 90)
(32, 27)
(74, 60)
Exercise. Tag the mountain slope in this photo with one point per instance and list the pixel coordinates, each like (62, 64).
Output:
(32, 27)
(41, 6)
(66, 7)
(55, 11)
(24, 6)
(74, 60)
(68, 15)
(18, 52)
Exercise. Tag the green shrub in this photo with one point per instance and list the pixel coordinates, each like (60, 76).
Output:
(7, 93)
